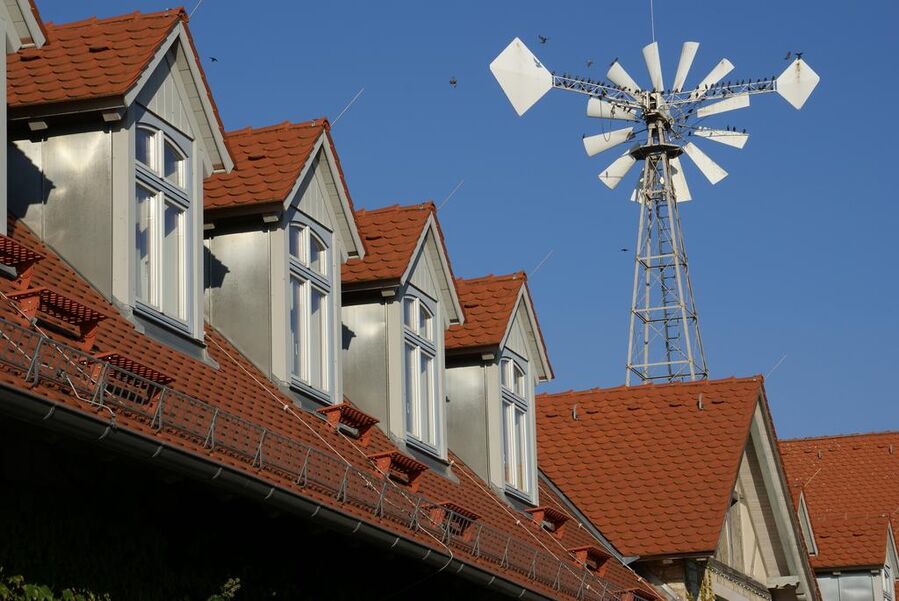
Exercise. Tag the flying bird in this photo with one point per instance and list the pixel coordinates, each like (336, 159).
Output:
(453, 81)
(213, 59)
(543, 39)
(787, 57)
(624, 250)
(589, 62)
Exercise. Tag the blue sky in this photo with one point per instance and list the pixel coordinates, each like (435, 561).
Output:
(791, 255)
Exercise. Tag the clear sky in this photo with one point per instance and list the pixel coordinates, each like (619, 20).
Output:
(792, 255)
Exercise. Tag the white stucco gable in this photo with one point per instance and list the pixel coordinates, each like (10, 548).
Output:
(523, 335)
(429, 267)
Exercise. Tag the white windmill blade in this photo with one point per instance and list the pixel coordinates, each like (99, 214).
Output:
(654, 66)
(796, 83)
(596, 144)
(737, 101)
(614, 173)
(678, 181)
(618, 76)
(715, 75)
(608, 110)
(522, 77)
(687, 54)
(722, 136)
(710, 169)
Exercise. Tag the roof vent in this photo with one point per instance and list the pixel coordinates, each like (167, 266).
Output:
(29, 57)
(21, 258)
(400, 468)
(255, 157)
(98, 48)
(456, 519)
(61, 308)
(550, 519)
(142, 389)
(349, 420)
(373, 236)
(593, 558)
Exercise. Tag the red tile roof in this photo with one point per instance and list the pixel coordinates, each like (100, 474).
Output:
(851, 489)
(488, 303)
(238, 389)
(630, 458)
(390, 235)
(85, 60)
(267, 163)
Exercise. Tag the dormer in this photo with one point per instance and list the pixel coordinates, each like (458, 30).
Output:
(397, 305)
(113, 130)
(494, 363)
(278, 229)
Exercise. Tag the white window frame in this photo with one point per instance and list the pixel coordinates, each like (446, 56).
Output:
(309, 280)
(517, 403)
(887, 583)
(422, 344)
(164, 193)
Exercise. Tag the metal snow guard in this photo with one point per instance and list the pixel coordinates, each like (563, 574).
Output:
(40, 360)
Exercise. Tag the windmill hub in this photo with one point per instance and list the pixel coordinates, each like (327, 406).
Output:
(664, 342)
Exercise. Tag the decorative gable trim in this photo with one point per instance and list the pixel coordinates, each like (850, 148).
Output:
(538, 346)
(21, 18)
(806, 524)
(430, 240)
(203, 106)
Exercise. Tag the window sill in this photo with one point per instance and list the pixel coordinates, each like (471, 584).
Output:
(423, 447)
(519, 495)
(321, 396)
(150, 314)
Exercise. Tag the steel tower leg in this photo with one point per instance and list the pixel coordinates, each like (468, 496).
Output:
(664, 342)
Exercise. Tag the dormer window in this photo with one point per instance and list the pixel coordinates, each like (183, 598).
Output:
(163, 242)
(517, 437)
(420, 374)
(310, 289)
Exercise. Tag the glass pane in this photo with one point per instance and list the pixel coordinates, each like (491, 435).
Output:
(520, 387)
(521, 452)
(296, 325)
(173, 268)
(318, 351)
(505, 365)
(507, 440)
(144, 148)
(426, 398)
(143, 244)
(174, 165)
(317, 255)
(409, 314)
(410, 379)
(295, 242)
(424, 322)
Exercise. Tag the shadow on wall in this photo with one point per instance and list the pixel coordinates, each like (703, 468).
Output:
(27, 185)
(215, 269)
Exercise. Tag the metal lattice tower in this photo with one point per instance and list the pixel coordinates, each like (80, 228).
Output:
(664, 342)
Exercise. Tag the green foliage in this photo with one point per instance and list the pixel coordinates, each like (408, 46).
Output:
(14, 588)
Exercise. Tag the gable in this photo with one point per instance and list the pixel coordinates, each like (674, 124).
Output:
(523, 336)
(26, 25)
(429, 272)
(164, 94)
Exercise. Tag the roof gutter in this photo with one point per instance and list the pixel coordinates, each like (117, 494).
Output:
(61, 418)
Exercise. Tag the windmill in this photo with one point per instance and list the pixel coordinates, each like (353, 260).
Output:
(664, 343)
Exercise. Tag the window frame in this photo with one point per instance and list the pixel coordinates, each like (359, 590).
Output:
(163, 194)
(512, 403)
(422, 345)
(299, 269)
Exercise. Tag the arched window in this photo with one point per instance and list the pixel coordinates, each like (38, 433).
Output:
(310, 289)
(163, 247)
(518, 445)
(420, 371)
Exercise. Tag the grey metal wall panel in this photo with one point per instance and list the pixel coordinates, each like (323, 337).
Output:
(466, 416)
(238, 290)
(78, 209)
(365, 358)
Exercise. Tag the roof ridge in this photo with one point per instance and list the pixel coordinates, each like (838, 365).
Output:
(286, 124)
(396, 206)
(839, 436)
(88, 21)
(515, 275)
(654, 385)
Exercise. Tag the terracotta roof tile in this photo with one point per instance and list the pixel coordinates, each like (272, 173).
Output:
(267, 163)
(94, 58)
(831, 472)
(235, 386)
(390, 235)
(488, 303)
(630, 458)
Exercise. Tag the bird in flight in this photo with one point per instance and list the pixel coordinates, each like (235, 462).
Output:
(589, 62)
(453, 81)
(543, 39)
(624, 250)
(213, 59)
